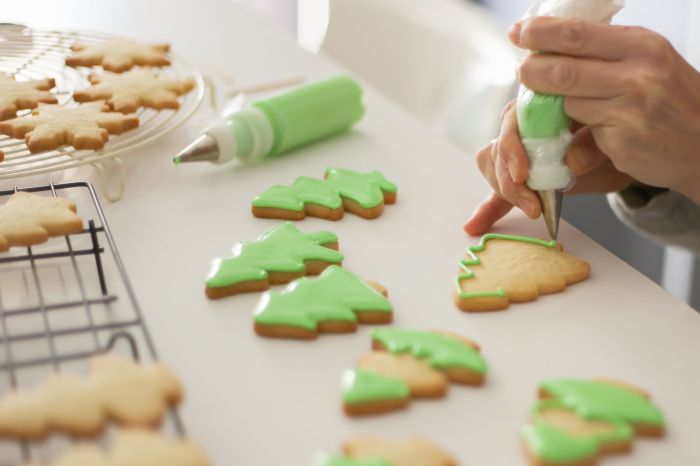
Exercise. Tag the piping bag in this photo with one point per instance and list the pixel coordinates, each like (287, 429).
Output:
(545, 129)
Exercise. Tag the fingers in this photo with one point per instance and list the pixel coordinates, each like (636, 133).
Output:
(591, 112)
(577, 77)
(509, 149)
(584, 155)
(576, 37)
(486, 214)
(604, 179)
(498, 176)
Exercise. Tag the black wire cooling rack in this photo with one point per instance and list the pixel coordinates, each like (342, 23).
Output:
(64, 301)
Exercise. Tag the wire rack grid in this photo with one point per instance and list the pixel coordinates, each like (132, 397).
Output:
(57, 310)
(38, 54)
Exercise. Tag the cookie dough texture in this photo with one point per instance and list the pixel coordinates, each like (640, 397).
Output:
(87, 126)
(118, 55)
(505, 268)
(127, 92)
(375, 451)
(134, 447)
(28, 219)
(19, 95)
(117, 389)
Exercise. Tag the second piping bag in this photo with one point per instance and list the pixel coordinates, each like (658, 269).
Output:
(543, 124)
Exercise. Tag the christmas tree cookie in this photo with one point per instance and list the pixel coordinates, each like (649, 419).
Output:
(363, 194)
(374, 451)
(335, 302)
(504, 269)
(279, 255)
(27, 219)
(578, 421)
(409, 364)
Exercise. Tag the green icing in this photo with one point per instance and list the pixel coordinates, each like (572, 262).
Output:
(361, 386)
(367, 189)
(334, 296)
(541, 115)
(282, 248)
(467, 273)
(336, 460)
(555, 445)
(593, 399)
(442, 351)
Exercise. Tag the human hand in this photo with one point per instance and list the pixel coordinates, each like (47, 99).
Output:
(636, 101)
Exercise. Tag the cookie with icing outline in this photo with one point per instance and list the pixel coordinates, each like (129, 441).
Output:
(506, 268)
(576, 422)
(87, 126)
(281, 254)
(334, 302)
(375, 451)
(363, 194)
(133, 447)
(118, 55)
(409, 364)
(28, 219)
(127, 92)
(21, 95)
(116, 389)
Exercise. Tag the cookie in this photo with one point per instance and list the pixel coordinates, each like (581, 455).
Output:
(87, 126)
(27, 219)
(335, 302)
(280, 255)
(130, 91)
(116, 389)
(19, 95)
(409, 364)
(578, 421)
(504, 269)
(363, 194)
(374, 451)
(135, 448)
(118, 55)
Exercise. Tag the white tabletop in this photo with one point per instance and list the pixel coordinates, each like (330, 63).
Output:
(253, 401)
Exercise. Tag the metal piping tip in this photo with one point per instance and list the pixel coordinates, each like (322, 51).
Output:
(551, 210)
(204, 148)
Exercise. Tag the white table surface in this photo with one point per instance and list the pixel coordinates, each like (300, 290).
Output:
(253, 401)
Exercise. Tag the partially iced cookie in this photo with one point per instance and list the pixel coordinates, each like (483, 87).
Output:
(505, 268)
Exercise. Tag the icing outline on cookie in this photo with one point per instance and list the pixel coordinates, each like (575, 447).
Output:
(473, 259)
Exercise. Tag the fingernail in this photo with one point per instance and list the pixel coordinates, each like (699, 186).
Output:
(526, 206)
(511, 170)
(514, 32)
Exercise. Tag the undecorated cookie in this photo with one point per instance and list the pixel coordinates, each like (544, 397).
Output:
(363, 194)
(19, 95)
(135, 447)
(87, 126)
(118, 55)
(27, 219)
(578, 421)
(116, 389)
(335, 302)
(130, 91)
(504, 269)
(278, 256)
(375, 451)
(409, 364)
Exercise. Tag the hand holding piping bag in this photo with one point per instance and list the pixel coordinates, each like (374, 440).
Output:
(632, 98)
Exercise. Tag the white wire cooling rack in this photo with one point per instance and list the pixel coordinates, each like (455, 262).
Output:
(37, 54)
